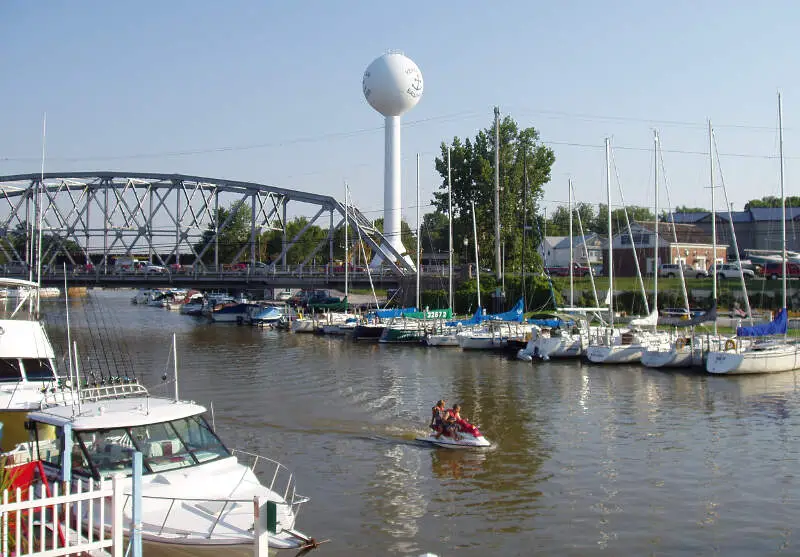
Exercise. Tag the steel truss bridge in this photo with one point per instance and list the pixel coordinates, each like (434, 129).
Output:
(168, 217)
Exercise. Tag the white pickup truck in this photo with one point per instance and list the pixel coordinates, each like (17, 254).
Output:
(730, 271)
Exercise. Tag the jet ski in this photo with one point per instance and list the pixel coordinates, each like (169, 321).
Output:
(463, 436)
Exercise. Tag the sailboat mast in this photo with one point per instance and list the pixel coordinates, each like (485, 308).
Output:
(450, 230)
(419, 270)
(610, 270)
(346, 252)
(783, 196)
(713, 218)
(656, 248)
(477, 262)
(571, 280)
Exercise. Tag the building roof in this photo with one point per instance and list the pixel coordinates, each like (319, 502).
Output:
(756, 214)
(563, 243)
(685, 233)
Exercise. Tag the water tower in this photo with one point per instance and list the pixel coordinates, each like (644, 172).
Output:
(392, 85)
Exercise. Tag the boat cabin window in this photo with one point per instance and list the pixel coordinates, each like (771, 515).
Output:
(164, 446)
(38, 369)
(9, 370)
(197, 434)
(109, 451)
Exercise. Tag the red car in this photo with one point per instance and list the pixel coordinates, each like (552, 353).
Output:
(577, 271)
(775, 270)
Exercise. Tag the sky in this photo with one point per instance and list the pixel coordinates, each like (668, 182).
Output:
(270, 92)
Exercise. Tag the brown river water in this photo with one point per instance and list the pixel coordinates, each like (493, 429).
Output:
(588, 460)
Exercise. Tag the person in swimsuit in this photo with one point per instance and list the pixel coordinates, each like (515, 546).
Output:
(438, 415)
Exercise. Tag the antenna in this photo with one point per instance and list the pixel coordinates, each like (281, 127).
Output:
(175, 362)
(69, 334)
(40, 213)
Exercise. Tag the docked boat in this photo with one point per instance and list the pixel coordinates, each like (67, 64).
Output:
(267, 315)
(234, 312)
(27, 363)
(197, 495)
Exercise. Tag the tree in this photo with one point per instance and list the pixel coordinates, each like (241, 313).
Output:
(435, 233)
(685, 209)
(472, 169)
(771, 201)
(234, 234)
(558, 223)
(635, 214)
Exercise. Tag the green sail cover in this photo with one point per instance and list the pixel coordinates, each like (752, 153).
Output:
(430, 314)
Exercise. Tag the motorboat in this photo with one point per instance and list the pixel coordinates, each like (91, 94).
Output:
(464, 436)
(27, 363)
(267, 315)
(197, 495)
(233, 312)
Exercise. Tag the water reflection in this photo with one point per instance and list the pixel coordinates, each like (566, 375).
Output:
(587, 459)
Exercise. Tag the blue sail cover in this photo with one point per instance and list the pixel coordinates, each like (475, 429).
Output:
(514, 314)
(391, 313)
(777, 326)
(474, 320)
(552, 323)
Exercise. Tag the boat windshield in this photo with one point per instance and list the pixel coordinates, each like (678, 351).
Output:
(164, 446)
(38, 369)
(9, 370)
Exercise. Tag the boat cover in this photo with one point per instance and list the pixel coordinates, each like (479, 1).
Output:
(777, 326)
(514, 314)
(649, 321)
(391, 313)
(474, 320)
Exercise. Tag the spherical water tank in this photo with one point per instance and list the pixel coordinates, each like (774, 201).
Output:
(392, 84)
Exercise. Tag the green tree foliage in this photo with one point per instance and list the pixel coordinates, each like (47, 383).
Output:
(771, 201)
(233, 234)
(434, 233)
(558, 223)
(472, 164)
(685, 209)
(635, 214)
(54, 247)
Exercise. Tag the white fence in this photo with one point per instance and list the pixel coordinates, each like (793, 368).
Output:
(55, 525)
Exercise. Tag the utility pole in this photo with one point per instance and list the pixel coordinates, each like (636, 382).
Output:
(497, 263)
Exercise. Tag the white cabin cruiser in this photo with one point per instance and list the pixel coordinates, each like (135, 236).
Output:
(27, 363)
(197, 495)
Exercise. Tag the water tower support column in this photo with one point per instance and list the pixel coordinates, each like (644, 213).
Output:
(392, 189)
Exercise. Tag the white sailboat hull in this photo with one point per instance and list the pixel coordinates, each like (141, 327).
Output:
(441, 340)
(615, 354)
(769, 359)
(672, 358)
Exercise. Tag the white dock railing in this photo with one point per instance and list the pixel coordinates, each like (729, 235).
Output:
(55, 525)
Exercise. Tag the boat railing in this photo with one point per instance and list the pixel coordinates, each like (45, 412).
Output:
(281, 479)
(207, 505)
(112, 390)
(115, 389)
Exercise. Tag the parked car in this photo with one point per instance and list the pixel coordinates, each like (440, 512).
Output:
(672, 270)
(774, 270)
(563, 271)
(256, 268)
(730, 271)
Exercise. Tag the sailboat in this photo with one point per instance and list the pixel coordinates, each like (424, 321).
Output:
(758, 348)
(611, 345)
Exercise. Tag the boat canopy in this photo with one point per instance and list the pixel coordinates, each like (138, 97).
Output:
(777, 326)
(120, 412)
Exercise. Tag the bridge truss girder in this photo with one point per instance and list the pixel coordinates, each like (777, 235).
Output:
(110, 214)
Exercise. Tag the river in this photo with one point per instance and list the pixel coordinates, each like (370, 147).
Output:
(588, 460)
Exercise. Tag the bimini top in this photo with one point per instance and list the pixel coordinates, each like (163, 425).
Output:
(117, 412)
(23, 338)
(6, 281)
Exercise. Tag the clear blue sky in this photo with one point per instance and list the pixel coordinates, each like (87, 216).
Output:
(271, 91)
